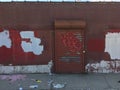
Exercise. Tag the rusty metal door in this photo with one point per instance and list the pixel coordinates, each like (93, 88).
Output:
(69, 46)
(69, 51)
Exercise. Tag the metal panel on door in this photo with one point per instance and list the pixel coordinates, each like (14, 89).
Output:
(69, 51)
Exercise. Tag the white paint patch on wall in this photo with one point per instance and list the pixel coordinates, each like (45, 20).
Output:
(104, 67)
(112, 45)
(26, 34)
(24, 69)
(34, 44)
(5, 39)
(27, 68)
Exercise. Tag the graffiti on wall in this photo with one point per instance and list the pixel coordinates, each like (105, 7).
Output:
(104, 67)
(31, 45)
(73, 41)
(112, 44)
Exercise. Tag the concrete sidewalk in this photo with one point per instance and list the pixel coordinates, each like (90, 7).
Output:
(73, 81)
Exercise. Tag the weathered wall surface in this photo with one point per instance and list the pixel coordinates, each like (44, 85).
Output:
(102, 31)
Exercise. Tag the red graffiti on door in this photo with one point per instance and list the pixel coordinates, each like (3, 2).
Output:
(72, 41)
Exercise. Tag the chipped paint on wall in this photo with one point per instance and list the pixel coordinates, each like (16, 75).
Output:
(33, 45)
(104, 67)
(112, 44)
(5, 39)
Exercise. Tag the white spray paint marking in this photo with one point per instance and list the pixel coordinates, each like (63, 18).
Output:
(50, 65)
(104, 67)
(34, 44)
(5, 39)
(112, 45)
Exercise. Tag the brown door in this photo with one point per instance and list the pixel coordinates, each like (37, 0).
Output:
(69, 51)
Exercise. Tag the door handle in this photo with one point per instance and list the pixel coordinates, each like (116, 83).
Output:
(84, 51)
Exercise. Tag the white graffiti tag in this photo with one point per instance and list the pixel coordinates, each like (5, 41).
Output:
(33, 45)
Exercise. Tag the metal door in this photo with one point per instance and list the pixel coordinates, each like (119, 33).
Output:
(69, 51)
